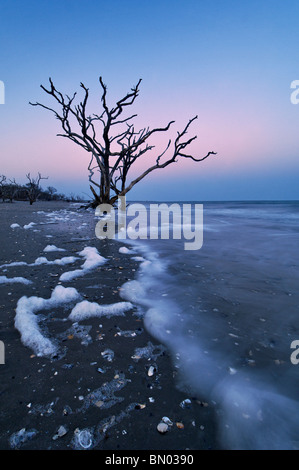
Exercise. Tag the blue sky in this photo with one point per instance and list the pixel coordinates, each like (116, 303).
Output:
(229, 62)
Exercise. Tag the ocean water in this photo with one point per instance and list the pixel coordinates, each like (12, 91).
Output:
(228, 312)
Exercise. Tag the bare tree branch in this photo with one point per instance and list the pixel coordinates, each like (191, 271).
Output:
(113, 156)
(33, 187)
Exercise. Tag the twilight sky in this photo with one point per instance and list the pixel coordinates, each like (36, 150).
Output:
(229, 62)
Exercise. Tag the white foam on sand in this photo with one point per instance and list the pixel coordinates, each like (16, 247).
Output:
(93, 259)
(30, 225)
(85, 309)
(42, 260)
(70, 275)
(125, 250)
(50, 248)
(26, 321)
(59, 262)
(63, 215)
(12, 280)
(14, 263)
(138, 258)
(134, 291)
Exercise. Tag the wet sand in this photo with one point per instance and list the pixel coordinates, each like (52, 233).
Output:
(116, 403)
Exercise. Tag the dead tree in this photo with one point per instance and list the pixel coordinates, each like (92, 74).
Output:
(33, 187)
(12, 189)
(112, 156)
(8, 188)
(2, 187)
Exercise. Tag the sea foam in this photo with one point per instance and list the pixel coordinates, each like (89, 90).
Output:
(87, 309)
(26, 321)
(12, 280)
(93, 259)
(50, 248)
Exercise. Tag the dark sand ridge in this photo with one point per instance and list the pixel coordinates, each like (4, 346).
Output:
(121, 405)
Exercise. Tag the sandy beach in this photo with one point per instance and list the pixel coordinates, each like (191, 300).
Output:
(110, 383)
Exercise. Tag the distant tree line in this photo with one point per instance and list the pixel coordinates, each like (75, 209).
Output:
(32, 191)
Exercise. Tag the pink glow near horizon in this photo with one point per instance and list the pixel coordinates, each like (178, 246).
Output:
(242, 149)
(244, 142)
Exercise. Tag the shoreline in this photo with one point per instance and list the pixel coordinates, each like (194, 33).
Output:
(118, 403)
